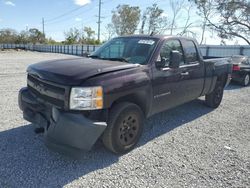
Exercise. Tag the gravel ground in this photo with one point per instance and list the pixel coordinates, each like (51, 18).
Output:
(189, 146)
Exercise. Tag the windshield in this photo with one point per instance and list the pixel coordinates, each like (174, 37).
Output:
(127, 49)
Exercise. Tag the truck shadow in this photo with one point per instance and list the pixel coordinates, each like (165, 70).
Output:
(164, 122)
(233, 85)
(26, 161)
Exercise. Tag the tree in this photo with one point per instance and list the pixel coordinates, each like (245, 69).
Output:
(36, 36)
(126, 19)
(8, 36)
(153, 20)
(110, 31)
(176, 7)
(51, 41)
(205, 13)
(89, 32)
(23, 37)
(186, 28)
(72, 36)
(181, 18)
(89, 36)
(231, 18)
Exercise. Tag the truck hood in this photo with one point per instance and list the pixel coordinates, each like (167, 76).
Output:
(74, 71)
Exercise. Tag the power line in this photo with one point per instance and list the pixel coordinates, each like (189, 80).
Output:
(64, 14)
(87, 21)
(68, 18)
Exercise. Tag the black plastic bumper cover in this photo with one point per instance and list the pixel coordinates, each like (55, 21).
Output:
(238, 75)
(62, 128)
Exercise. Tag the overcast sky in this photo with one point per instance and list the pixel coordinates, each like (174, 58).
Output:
(61, 15)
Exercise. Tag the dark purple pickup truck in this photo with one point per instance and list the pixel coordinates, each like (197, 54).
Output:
(107, 95)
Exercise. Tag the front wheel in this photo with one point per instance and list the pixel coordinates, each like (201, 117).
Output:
(124, 128)
(214, 99)
(245, 80)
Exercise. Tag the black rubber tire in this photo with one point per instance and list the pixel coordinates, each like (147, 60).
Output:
(245, 80)
(214, 99)
(115, 129)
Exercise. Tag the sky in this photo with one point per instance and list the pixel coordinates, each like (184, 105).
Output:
(61, 15)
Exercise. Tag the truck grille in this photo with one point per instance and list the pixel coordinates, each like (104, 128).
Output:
(47, 91)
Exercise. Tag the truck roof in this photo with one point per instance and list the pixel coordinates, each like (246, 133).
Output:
(156, 36)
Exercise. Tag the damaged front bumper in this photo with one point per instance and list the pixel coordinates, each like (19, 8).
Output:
(62, 128)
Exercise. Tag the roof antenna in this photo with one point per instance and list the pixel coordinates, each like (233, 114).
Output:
(152, 33)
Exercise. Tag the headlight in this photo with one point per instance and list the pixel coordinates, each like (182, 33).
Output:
(86, 98)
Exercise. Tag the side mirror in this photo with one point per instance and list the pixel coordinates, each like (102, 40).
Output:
(175, 59)
(160, 64)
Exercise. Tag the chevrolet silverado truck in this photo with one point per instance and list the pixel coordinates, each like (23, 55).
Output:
(109, 94)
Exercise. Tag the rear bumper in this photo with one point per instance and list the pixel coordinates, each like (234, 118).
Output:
(62, 128)
(238, 75)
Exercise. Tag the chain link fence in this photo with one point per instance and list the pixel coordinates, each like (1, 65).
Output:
(80, 50)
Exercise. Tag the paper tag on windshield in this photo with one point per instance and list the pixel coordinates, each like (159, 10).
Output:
(150, 42)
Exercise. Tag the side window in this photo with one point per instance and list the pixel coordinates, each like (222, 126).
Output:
(191, 52)
(114, 50)
(169, 46)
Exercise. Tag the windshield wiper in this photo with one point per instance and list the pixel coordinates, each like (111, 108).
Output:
(118, 59)
(94, 56)
(111, 58)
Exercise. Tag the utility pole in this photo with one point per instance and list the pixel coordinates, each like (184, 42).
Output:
(99, 19)
(43, 26)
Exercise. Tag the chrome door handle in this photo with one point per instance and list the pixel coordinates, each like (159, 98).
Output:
(184, 73)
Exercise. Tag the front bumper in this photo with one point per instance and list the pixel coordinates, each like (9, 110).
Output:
(62, 128)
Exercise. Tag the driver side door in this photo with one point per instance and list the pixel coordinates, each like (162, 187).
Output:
(167, 84)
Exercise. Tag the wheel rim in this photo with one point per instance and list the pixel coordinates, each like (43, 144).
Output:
(128, 130)
(218, 95)
(246, 80)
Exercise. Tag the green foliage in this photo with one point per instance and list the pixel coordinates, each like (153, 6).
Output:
(233, 17)
(33, 36)
(36, 36)
(72, 36)
(85, 36)
(8, 36)
(126, 19)
(89, 32)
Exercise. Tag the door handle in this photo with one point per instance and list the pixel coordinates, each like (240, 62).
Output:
(184, 73)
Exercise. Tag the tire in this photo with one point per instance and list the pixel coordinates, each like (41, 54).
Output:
(214, 99)
(246, 80)
(125, 126)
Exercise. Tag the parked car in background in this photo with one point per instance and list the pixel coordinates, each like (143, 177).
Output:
(241, 69)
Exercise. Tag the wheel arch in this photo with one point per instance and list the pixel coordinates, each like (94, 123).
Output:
(222, 78)
(140, 99)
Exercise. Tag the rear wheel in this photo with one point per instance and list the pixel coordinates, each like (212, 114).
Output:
(214, 99)
(245, 80)
(124, 128)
